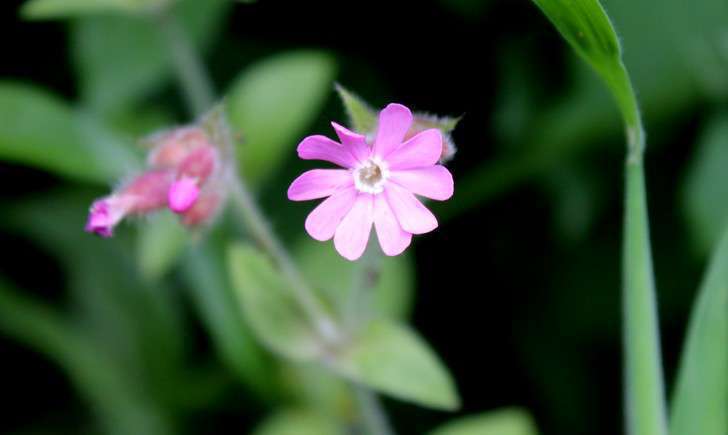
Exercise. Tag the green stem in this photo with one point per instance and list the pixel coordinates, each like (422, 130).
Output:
(357, 311)
(644, 391)
(258, 226)
(191, 73)
(372, 413)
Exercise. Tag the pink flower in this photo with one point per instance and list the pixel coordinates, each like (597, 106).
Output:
(186, 174)
(376, 187)
(145, 193)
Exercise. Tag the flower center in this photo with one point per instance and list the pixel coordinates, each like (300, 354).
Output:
(370, 176)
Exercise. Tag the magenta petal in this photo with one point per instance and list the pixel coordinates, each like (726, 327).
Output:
(321, 223)
(100, 219)
(434, 182)
(322, 148)
(394, 121)
(352, 234)
(182, 194)
(318, 183)
(414, 217)
(392, 238)
(356, 143)
(422, 150)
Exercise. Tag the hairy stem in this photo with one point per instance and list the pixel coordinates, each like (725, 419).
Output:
(359, 309)
(373, 415)
(191, 73)
(262, 232)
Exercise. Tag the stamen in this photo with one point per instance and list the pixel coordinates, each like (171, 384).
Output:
(370, 176)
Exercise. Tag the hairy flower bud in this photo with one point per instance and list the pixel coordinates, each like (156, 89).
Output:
(145, 193)
(187, 174)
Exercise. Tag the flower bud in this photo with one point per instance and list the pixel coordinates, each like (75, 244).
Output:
(145, 193)
(172, 147)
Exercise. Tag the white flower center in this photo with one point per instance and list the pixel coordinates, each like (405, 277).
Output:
(370, 176)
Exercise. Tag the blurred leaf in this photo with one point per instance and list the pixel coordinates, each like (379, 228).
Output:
(272, 103)
(160, 242)
(44, 9)
(298, 422)
(114, 394)
(328, 272)
(362, 118)
(41, 131)
(213, 297)
(272, 314)
(316, 387)
(394, 360)
(585, 25)
(122, 60)
(138, 326)
(510, 421)
(700, 404)
(705, 192)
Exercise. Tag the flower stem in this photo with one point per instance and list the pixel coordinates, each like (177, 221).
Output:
(373, 415)
(261, 230)
(358, 310)
(191, 73)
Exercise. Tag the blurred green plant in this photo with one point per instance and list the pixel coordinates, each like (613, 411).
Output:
(586, 27)
(700, 401)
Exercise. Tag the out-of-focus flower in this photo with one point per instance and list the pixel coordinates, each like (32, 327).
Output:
(144, 194)
(377, 185)
(186, 174)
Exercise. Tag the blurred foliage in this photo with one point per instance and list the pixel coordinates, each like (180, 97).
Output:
(700, 402)
(499, 422)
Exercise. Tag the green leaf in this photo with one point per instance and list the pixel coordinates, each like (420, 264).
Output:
(705, 193)
(394, 360)
(700, 402)
(160, 242)
(267, 306)
(122, 60)
(40, 130)
(585, 25)
(329, 273)
(214, 298)
(298, 422)
(272, 103)
(45, 9)
(362, 118)
(509, 421)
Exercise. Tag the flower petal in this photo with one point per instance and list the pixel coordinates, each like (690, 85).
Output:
(394, 121)
(392, 238)
(318, 183)
(355, 142)
(352, 234)
(413, 217)
(422, 150)
(319, 147)
(321, 223)
(434, 182)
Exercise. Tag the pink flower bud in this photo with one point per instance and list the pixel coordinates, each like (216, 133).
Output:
(174, 146)
(187, 174)
(204, 210)
(148, 191)
(103, 217)
(182, 194)
(145, 193)
(199, 163)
